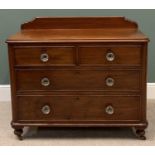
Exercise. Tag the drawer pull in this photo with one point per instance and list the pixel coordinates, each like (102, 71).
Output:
(45, 82)
(46, 109)
(109, 110)
(110, 82)
(110, 56)
(44, 57)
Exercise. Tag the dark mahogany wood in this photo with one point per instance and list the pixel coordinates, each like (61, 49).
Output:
(79, 23)
(79, 108)
(96, 55)
(19, 133)
(57, 55)
(75, 62)
(77, 80)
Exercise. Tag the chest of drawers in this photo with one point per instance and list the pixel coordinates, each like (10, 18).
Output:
(78, 72)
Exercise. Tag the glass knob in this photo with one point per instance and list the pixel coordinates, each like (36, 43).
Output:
(110, 81)
(46, 109)
(44, 57)
(109, 110)
(45, 82)
(110, 56)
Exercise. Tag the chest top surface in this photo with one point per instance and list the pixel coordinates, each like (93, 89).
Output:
(78, 29)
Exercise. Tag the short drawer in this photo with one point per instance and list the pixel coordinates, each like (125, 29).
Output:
(111, 55)
(77, 80)
(33, 56)
(84, 108)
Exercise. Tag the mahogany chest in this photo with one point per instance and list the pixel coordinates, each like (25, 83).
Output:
(78, 72)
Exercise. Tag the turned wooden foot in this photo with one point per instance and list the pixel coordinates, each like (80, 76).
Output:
(18, 132)
(139, 132)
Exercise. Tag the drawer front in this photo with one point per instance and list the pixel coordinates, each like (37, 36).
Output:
(74, 80)
(32, 56)
(110, 55)
(84, 108)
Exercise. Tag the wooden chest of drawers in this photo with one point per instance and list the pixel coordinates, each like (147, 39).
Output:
(78, 72)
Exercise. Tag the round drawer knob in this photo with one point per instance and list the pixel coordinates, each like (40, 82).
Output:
(109, 110)
(46, 109)
(45, 82)
(110, 81)
(110, 56)
(44, 57)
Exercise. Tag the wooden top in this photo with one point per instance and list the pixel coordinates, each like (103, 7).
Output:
(78, 29)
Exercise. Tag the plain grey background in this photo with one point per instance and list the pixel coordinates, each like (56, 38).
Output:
(10, 21)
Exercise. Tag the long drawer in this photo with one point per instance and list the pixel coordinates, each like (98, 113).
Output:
(85, 108)
(74, 80)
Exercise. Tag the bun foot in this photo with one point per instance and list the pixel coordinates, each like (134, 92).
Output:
(18, 133)
(140, 133)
